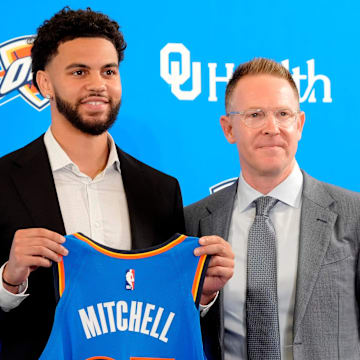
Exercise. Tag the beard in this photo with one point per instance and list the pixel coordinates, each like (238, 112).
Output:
(71, 113)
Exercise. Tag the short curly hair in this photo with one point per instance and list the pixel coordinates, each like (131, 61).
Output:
(68, 24)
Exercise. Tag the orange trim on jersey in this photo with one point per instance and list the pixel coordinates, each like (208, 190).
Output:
(2, 73)
(147, 358)
(101, 358)
(141, 255)
(195, 286)
(61, 272)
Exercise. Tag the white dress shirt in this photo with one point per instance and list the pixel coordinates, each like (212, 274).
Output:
(96, 207)
(285, 217)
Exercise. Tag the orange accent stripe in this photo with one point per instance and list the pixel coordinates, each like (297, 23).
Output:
(143, 255)
(24, 51)
(19, 52)
(147, 358)
(61, 271)
(2, 73)
(33, 89)
(195, 286)
(30, 87)
(101, 358)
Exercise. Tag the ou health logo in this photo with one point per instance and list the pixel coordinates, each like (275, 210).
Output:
(16, 75)
(177, 73)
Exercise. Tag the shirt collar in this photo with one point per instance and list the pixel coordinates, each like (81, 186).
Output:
(289, 191)
(59, 159)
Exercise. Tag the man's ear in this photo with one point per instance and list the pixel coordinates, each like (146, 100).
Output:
(227, 127)
(300, 123)
(44, 83)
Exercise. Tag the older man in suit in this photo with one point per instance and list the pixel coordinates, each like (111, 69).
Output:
(304, 282)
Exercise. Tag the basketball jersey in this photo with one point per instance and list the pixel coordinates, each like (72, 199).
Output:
(128, 305)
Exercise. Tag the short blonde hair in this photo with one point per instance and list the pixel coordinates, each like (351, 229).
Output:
(258, 66)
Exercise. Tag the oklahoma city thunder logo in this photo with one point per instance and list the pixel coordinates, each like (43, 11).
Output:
(16, 75)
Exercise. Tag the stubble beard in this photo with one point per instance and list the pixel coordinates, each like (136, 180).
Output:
(72, 114)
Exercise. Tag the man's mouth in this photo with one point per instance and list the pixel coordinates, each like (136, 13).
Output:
(95, 103)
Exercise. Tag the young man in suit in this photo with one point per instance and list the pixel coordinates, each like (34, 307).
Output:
(75, 179)
(315, 227)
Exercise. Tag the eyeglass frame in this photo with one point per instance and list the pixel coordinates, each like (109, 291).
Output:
(266, 112)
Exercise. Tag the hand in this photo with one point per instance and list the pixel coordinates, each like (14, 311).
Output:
(30, 249)
(221, 266)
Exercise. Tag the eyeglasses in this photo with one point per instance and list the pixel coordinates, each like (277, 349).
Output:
(255, 118)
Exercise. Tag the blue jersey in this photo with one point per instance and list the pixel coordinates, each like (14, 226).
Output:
(128, 305)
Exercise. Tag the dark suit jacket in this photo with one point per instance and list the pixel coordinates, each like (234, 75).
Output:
(326, 315)
(28, 199)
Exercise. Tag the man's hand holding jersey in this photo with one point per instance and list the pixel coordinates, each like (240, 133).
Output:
(221, 266)
(30, 249)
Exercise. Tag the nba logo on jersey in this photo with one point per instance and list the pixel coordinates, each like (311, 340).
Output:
(130, 279)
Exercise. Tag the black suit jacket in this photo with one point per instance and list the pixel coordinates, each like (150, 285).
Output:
(28, 199)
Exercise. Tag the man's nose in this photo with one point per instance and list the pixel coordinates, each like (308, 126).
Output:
(96, 83)
(271, 124)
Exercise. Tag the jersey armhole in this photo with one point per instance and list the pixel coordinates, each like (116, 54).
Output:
(199, 278)
(59, 279)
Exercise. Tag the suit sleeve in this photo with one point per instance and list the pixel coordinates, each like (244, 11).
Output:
(179, 222)
(358, 272)
(210, 324)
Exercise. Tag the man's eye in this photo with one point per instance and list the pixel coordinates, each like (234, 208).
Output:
(78, 72)
(284, 113)
(110, 72)
(254, 114)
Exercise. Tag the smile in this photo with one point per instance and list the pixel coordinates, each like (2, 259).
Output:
(95, 102)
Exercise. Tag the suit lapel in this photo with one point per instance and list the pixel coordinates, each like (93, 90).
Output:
(317, 222)
(132, 175)
(34, 182)
(220, 212)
